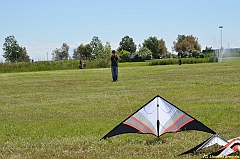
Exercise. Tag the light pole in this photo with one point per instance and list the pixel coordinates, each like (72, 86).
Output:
(221, 35)
(47, 56)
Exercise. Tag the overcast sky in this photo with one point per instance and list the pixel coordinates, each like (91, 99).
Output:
(44, 25)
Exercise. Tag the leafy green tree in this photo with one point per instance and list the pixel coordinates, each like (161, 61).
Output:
(162, 47)
(186, 43)
(193, 53)
(83, 52)
(78, 52)
(145, 53)
(55, 53)
(124, 55)
(87, 51)
(23, 55)
(108, 48)
(65, 51)
(156, 46)
(100, 51)
(96, 45)
(103, 55)
(13, 52)
(127, 44)
(61, 53)
(208, 50)
(104, 51)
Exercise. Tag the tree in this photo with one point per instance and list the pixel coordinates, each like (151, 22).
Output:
(87, 51)
(83, 52)
(78, 52)
(127, 44)
(103, 54)
(108, 48)
(13, 52)
(99, 50)
(61, 53)
(96, 45)
(156, 46)
(104, 51)
(186, 43)
(145, 53)
(162, 47)
(124, 55)
(208, 50)
(23, 55)
(65, 51)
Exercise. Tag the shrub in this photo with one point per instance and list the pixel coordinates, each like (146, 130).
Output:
(184, 61)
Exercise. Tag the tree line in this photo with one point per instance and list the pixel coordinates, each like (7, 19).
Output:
(151, 48)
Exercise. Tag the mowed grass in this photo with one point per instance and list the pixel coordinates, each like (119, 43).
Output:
(64, 114)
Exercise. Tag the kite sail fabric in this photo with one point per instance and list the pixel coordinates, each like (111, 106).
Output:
(234, 138)
(231, 147)
(214, 139)
(158, 117)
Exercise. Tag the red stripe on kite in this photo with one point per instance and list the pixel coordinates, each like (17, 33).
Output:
(183, 124)
(126, 123)
(168, 128)
(144, 125)
(225, 146)
(141, 123)
(235, 148)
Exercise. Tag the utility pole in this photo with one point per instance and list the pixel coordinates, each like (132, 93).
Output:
(221, 35)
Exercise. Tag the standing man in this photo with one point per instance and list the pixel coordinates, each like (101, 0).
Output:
(114, 65)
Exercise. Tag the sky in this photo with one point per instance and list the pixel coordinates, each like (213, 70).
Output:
(44, 25)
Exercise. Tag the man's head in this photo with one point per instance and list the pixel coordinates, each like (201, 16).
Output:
(113, 52)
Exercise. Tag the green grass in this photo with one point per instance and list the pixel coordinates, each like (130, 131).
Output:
(63, 114)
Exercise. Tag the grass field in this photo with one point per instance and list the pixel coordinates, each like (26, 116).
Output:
(63, 114)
